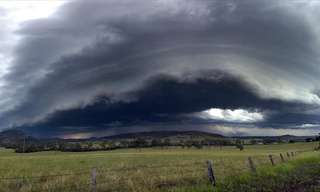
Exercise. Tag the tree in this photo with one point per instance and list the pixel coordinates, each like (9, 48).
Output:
(90, 145)
(239, 145)
(318, 139)
(155, 142)
(253, 142)
(198, 145)
(167, 142)
(139, 142)
(104, 145)
(309, 139)
(77, 147)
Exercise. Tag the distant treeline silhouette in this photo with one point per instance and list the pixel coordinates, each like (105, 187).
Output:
(25, 144)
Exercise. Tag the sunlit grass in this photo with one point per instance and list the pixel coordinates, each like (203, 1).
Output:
(301, 174)
(140, 170)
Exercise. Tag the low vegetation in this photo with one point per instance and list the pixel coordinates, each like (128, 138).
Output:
(21, 143)
(295, 176)
(153, 169)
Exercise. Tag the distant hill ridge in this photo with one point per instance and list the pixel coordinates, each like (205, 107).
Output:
(163, 134)
(11, 137)
(14, 136)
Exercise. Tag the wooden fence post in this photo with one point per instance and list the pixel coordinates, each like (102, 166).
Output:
(282, 158)
(94, 180)
(288, 155)
(251, 165)
(24, 145)
(271, 160)
(211, 176)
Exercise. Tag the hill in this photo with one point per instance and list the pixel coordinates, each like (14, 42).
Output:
(166, 135)
(11, 137)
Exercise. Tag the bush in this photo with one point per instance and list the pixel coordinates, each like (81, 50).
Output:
(240, 147)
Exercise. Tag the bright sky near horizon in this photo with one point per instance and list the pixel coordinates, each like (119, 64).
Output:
(13, 13)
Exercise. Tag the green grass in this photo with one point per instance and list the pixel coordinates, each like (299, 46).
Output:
(297, 175)
(145, 170)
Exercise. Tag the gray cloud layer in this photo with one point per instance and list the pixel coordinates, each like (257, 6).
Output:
(113, 48)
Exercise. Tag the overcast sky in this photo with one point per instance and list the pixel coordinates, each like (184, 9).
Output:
(81, 68)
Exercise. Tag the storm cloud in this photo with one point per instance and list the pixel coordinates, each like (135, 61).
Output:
(97, 63)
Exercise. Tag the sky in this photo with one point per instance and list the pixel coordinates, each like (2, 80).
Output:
(79, 68)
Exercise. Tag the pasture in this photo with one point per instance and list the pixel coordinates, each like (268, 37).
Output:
(138, 170)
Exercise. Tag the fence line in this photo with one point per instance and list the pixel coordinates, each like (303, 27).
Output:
(99, 170)
(95, 172)
(251, 164)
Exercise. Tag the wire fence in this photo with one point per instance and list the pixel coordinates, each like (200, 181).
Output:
(100, 177)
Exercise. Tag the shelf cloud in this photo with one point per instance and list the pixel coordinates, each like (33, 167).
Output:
(131, 63)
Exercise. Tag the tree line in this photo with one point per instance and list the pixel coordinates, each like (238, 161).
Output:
(28, 145)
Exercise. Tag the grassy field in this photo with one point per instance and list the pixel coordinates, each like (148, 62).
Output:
(140, 170)
(298, 175)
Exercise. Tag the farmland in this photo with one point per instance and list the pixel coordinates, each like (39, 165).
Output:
(146, 169)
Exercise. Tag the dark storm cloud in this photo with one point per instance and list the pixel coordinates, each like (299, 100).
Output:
(292, 118)
(162, 105)
(166, 99)
(266, 54)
